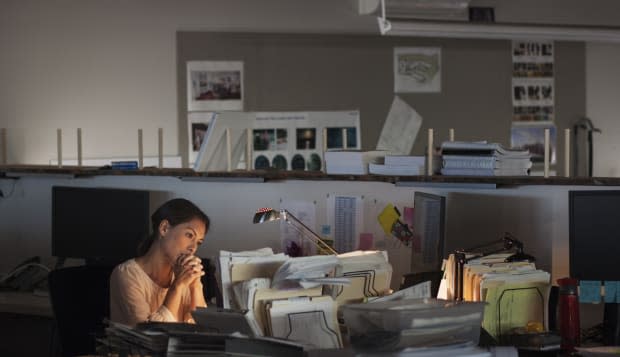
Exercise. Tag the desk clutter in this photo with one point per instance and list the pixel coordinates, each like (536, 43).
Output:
(298, 298)
(275, 305)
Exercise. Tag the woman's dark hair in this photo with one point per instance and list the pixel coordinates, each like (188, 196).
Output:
(175, 211)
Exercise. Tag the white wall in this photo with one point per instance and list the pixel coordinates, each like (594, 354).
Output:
(603, 105)
(109, 66)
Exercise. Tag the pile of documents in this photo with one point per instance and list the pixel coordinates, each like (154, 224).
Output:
(350, 162)
(517, 294)
(461, 158)
(180, 340)
(280, 296)
(399, 165)
(295, 298)
(369, 273)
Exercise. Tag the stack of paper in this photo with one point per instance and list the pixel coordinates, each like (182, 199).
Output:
(121, 337)
(483, 159)
(369, 273)
(252, 279)
(311, 320)
(264, 346)
(350, 162)
(242, 266)
(399, 165)
(305, 272)
(227, 321)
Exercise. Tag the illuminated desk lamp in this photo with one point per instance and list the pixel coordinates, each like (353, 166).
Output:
(269, 214)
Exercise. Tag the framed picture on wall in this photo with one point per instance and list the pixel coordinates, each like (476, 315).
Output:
(197, 125)
(417, 69)
(214, 85)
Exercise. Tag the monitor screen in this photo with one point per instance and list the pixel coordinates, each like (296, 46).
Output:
(101, 225)
(428, 232)
(594, 234)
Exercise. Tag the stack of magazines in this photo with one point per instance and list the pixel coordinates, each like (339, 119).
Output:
(461, 158)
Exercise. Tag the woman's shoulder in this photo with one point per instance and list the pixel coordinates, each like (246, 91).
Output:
(128, 268)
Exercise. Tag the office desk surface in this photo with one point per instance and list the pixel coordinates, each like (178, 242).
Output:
(25, 303)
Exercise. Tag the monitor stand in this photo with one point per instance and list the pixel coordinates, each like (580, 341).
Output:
(611, 325)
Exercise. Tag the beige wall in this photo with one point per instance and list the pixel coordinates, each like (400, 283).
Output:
(109, 67)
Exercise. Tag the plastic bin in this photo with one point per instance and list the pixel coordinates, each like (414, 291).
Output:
(394, 325)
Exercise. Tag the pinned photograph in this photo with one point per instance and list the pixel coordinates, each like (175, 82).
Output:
(306, 139)
(335, 138)
(197, 126)
(214, 85)
(532, 138)
(264, 139)
(417, 69)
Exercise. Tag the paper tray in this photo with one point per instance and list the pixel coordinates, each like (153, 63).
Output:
(406, 323)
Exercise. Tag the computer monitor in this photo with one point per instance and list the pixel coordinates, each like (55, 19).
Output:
(594, 243)
(594, 234)
(428, 246)
(104, 226)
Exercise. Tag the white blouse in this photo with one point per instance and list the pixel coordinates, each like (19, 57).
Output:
(135, 297)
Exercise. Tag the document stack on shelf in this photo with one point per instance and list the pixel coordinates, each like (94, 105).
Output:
(460, 158)
(351, 162)
(399, 165)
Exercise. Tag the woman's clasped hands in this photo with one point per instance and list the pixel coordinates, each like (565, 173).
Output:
(187, 270)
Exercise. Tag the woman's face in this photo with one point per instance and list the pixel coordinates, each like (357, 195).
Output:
(184, 238)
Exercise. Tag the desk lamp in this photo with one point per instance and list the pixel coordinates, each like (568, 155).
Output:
(270, 214)
(506, 243)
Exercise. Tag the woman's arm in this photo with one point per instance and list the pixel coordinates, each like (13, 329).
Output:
(128, 299)
(189, 270)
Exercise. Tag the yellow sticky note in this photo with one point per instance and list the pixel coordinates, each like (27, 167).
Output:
(387, 218)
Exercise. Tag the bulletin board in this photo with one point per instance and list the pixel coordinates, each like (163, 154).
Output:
(328, 72)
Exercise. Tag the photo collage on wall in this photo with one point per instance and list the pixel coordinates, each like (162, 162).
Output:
(294, 141)
(533, 97)
(271, 146)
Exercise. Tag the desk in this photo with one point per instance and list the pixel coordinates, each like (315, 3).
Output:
(27, 326)
(25, 303)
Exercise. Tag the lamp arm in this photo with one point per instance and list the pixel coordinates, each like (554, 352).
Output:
(306, 232)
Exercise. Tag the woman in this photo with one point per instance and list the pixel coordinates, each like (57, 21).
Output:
(163, 282)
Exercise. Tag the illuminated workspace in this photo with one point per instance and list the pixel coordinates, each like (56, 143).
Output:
(112, 69)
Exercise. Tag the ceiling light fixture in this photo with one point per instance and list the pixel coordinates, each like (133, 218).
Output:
(390, 26)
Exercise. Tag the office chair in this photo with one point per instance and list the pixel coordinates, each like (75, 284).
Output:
(80, 298)
(210, 286)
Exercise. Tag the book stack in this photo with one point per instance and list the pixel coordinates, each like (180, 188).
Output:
(351, 162)
(461, 158)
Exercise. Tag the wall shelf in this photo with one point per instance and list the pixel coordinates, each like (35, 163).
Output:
(15, 171)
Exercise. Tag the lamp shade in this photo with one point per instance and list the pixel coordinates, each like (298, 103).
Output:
(266, 215)
(270, 214)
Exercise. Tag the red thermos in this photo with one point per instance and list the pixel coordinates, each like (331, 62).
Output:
(568, 313)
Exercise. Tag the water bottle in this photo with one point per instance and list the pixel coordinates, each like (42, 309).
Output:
(568, 314)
